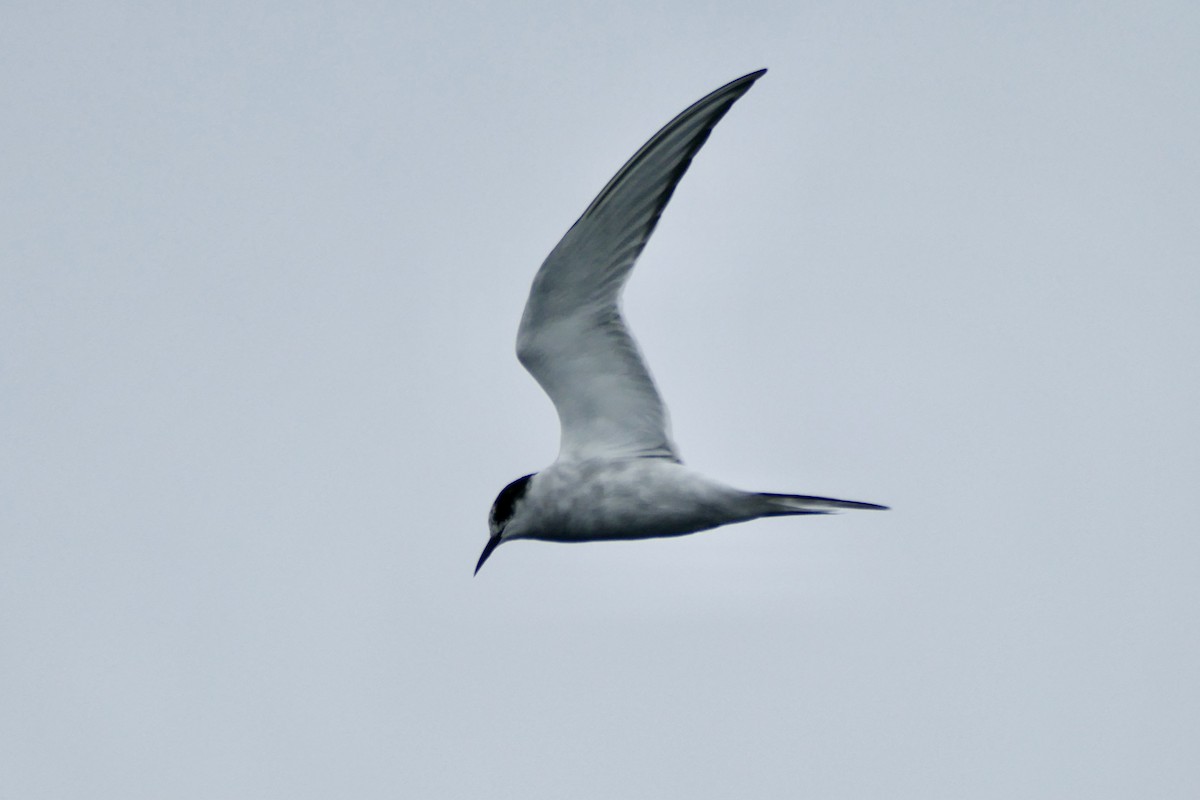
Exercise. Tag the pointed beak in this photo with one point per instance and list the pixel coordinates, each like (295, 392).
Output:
(492, 544)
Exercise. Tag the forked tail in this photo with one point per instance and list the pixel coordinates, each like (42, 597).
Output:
(781, 504)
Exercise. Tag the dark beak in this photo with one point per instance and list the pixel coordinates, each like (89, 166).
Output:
(492, 544)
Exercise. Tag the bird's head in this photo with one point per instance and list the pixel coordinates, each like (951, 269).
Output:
(507, 505)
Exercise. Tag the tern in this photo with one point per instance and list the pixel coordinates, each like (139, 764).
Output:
(618, 474)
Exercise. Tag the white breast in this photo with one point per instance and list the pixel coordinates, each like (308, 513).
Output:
(625, 499)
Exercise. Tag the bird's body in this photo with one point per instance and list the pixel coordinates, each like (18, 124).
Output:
(618, 474)
(640, 498)
(627, 498)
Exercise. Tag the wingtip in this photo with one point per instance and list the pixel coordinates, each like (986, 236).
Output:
(749, 77)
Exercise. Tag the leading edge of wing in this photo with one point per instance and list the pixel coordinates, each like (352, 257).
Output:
(592, 261)
(710, 109)
(572, 338)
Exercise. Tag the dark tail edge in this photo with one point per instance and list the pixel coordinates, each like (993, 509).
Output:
(783, 504)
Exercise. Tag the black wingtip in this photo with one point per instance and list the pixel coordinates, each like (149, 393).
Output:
(746, 80)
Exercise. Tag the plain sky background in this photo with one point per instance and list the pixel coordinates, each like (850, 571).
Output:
(262, 267)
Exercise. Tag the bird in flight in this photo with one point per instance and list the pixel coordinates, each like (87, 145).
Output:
(618, 474)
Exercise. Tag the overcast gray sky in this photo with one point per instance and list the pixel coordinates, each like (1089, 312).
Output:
(261, 270)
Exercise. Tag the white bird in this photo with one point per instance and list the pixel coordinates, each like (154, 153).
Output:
(618, 474)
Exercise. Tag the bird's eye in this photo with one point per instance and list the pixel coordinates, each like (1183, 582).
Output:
(506, 501)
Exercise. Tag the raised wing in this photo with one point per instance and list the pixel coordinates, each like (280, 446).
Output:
(572, 337)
